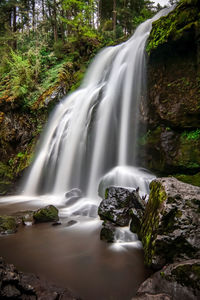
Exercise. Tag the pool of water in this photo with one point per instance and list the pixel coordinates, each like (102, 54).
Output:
(72, 255)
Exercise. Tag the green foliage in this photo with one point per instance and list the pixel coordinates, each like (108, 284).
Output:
(191, 135)
(191, 179)
(180, 20)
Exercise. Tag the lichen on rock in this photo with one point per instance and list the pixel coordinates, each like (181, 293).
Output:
(170, 227)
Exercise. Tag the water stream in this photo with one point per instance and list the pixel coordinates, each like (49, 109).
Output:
(90, 143)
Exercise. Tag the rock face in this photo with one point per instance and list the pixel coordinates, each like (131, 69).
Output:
(170, 229)
(176, 281)
(118, 208)
(18, 285)
(172, 143)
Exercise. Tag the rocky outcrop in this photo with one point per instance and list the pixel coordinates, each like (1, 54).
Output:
(172, 143)
(119, 207)
(177, 281)
(17, 285)
(170, 230)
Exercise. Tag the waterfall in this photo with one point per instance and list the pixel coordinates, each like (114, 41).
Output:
(92, 134)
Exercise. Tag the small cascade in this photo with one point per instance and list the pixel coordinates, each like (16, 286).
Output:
(91, 136)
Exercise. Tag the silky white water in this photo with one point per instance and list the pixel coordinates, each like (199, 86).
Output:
(91, 136)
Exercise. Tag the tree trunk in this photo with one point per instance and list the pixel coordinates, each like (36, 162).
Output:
(33, 14)
(114, 17)
(55, 21)
(14, 26)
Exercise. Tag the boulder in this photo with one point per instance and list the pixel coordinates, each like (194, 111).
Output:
(17, 285)
(170, 229)
(118, 203)
(8, 225)
(177, 281)
(108, 232)
(46, 214)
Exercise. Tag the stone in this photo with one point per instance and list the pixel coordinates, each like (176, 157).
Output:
(108, 232)
(117, 205)
(71, 223)
(18, 285)
(8, 225)
(57, 223)
(46, 214)
(28, 219)
(176, 281)
(72, 196)
(170, 229)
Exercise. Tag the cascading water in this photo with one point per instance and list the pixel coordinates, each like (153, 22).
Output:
(90, 141)
(94, 129)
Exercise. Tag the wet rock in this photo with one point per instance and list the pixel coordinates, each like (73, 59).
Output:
(28, 219)
(8, 225)
(170, 229)
(136, 220)
(73, 196)
(177, 281)
(108, 232)
(18, 285)
(73, 193)
(57, 223)
(117, 205)
(71, 223)
(46, 214)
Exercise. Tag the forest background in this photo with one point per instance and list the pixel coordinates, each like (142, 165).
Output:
(38, 38)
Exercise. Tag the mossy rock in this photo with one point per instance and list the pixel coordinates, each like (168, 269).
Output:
(171, 223)
(8, 225)
(191, 179)
(46, 214)
(176, 281)
(183, 19)
(169, 151)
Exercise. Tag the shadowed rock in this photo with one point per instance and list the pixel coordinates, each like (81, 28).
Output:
(176, 281)
(171, 225)
(18, 285)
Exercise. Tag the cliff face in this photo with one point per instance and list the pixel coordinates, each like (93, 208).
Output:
(19, 132)
(172, 140)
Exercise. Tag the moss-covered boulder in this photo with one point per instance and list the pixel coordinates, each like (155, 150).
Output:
(46, 214)
(176, 281)
(170, 229)
(8, 225)
(168, 151)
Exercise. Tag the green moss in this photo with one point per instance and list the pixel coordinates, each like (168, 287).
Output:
(172, 27)
(106, 193)
(150, 222)
(188, 275)
(191, 135)
(191, 179)
(46, 214)
(7, 225)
